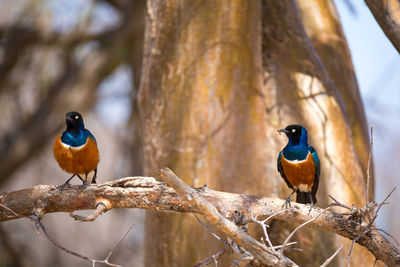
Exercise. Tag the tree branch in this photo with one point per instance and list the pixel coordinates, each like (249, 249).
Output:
(387, 14)
(214, 217)
(147, 193)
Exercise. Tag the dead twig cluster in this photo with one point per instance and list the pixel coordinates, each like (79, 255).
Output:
(365, 217)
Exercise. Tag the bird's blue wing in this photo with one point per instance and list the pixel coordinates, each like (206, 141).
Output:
(317, 166)
(89, 134)
(317, 163)
(280, 170)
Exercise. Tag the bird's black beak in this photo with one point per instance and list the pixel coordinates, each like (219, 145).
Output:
(283, 131)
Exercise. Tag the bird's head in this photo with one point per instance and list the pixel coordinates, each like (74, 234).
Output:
(74, 120)
(296, 134)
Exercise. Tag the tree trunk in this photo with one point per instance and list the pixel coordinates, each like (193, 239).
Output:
(218, 79)
(302, 90)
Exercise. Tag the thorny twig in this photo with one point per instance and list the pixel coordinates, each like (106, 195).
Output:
(363, 213)
(354, 212)
(379, 207)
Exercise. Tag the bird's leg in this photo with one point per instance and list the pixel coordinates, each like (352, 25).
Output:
(287, 202)
(67, 182)
(80, 178)
(85, 183)
(312, 202)
(94, 176)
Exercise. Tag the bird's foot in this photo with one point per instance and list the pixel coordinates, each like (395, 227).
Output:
(64, 185)
(84, 185)
(311, 207)
(287, 203)
(311, 203)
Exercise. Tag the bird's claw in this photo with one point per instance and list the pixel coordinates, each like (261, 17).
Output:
(64, 185)
(287, 203)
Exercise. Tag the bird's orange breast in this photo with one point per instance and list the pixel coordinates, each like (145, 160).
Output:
(300, 174)
(80, 160)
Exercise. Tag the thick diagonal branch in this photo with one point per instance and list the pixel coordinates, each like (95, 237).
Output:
(147, 193)
(387, 14)
(212, 216)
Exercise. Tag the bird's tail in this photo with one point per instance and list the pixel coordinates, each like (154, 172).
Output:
(304, 198)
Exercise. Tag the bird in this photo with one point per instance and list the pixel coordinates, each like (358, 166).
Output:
(299, 165)
(76, 149)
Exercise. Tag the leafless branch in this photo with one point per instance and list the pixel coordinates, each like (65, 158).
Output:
(93, 261)
(299, 227)
(264, 226)
(212, 216)
(386, 14)
(213, 257)
(369, 166)
(147, 193)
(328, 260)
(100, 209)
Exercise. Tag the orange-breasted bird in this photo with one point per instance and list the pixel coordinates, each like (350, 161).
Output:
(299, 165)
(76, 149)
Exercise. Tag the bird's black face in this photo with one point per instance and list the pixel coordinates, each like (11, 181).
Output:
(293, 132)
(74, 120)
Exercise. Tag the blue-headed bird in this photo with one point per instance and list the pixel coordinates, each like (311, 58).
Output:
(76, 149)
(299, 165)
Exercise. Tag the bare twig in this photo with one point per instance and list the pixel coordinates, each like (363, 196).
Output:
(213, 257)
(245, 258)
(380, 205)
(355, 240)
(369, 167)
(338, 204)
(117, 244)
(93, 261)
(264, 225)
(10, 210)
(328, 260)
(297, 228)
(209, 230)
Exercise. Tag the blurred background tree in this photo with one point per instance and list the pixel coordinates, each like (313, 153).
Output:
(218, 79)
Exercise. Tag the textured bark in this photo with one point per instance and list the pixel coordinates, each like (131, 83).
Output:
(387, 14)
(322, 24)
(147, 193)
(299, 89)
(219, 78)
(201, 111)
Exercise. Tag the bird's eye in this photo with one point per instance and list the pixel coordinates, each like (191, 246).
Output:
(76, 117)
(293, 130)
